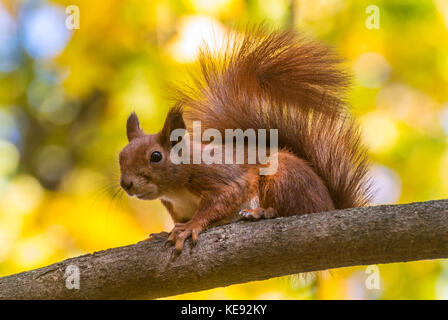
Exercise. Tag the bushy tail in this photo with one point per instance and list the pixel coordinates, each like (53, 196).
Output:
(281, 80)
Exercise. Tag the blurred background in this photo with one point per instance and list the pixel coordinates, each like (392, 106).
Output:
(67, 89)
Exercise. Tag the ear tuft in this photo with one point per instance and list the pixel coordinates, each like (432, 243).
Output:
(133, 127)
(174, 120)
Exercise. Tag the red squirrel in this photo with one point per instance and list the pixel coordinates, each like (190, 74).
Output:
(263, 80)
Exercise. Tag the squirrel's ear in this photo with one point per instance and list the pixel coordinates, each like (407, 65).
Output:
(174, 120)
(133, 127)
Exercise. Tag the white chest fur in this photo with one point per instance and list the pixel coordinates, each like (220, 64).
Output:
(184, 203)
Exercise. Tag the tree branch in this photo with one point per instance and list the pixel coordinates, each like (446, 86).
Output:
(247, 251)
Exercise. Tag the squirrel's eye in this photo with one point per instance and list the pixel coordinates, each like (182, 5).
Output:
(156, 156)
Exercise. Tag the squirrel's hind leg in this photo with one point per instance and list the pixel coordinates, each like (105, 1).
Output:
(294, 189)
(257, 214)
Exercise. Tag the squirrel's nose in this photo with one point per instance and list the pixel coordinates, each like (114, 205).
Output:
(126, 183)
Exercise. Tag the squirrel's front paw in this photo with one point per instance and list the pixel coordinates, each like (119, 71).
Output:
(183, 231)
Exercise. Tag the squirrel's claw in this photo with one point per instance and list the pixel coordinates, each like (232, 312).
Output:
(181, 232)
(180, 240)
(159, 235)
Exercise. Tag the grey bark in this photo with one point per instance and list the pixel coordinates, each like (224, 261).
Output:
(247, 251)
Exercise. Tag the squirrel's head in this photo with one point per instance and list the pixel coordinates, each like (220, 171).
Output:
(146, 169)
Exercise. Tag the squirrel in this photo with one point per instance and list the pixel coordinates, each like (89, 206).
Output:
(263, 80)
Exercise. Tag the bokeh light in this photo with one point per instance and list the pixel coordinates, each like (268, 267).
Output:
(380, 131)
(444, 118)
(386, 185)
(9, 160)
(9, 42)
(22, 196)
(194, 31)
(44, 31)
(371, 70)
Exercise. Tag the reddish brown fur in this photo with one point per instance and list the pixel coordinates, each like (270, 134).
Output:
(264, 81)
